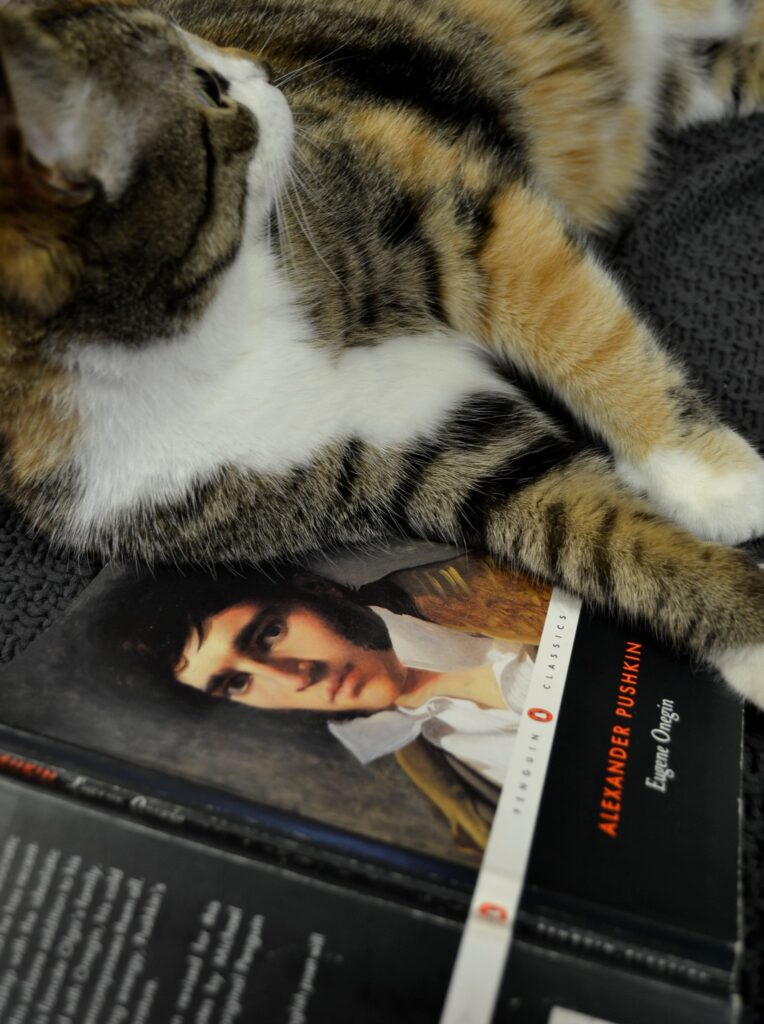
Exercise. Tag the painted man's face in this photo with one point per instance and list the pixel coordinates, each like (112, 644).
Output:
(289, 657)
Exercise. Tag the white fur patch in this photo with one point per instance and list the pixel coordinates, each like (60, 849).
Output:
(743, 668)
(723, 19)
(648, 53)
(656, 25)
(706, 104)
(722, 506)
(247, 388)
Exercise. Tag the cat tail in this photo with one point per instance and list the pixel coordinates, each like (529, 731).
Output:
(580, 527)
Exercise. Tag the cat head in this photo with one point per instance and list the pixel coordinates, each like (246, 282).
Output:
(135, 160)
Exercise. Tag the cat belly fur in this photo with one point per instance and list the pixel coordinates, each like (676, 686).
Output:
(248, 387)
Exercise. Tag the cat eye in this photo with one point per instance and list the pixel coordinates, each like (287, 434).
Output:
(211, 88)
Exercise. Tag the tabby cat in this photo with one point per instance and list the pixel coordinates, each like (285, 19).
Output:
(284, 273)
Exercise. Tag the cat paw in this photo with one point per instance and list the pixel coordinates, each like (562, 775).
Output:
(743, 668)
(719, 498)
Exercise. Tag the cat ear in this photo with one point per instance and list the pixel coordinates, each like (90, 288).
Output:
(59, 130)
(23, 173)
(41, 189)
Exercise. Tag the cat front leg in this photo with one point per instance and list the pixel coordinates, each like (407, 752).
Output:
(550, 308)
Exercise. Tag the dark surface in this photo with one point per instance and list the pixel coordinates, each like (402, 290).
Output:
(693, 259)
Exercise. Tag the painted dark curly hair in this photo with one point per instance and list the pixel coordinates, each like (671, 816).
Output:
(145, 620)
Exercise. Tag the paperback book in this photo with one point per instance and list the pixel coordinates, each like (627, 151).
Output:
(404, 783)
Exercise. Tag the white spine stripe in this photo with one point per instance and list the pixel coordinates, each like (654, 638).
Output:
(487, 935)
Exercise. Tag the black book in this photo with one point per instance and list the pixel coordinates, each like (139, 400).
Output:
(404, 784)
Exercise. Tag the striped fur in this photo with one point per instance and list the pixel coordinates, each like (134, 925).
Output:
(233, 330)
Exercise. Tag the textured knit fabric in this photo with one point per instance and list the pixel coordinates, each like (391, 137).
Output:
(692, 257)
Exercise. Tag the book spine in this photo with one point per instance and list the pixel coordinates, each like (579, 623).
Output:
(600, 990)
(204, 824)
(541, 930)
(104, 793)
(619, 948)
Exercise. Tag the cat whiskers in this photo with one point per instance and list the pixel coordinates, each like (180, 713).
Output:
(294, 185)
(321, 62)
(302, 222)
(286, 249)
(316, 186)
(267, 40)
(311, 141)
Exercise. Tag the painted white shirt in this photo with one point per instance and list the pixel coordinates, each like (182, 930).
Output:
(481, 738)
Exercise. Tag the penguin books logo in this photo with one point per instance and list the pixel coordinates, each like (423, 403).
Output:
(496, 912)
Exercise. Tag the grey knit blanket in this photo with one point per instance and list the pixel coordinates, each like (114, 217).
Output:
(692, 257)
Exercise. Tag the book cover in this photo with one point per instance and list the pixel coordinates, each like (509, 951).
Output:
(391, 723)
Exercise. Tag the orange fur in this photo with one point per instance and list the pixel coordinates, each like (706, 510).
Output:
(554, 310)
(38, 206)
(405, 142)
(755, 26)
(589, 152)
(38, 270)
(37, 424)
